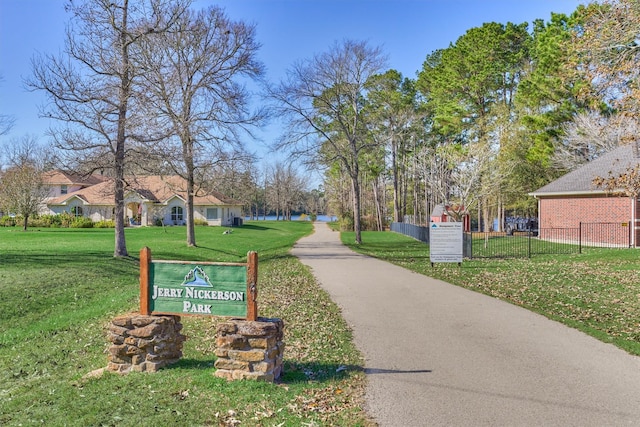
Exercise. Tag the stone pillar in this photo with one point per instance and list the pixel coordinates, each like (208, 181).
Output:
(250, 350)
(144, 343)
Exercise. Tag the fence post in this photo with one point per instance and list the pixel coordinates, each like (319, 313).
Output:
(580, 237)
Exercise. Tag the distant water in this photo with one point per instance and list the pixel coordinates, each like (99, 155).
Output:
(325, 218)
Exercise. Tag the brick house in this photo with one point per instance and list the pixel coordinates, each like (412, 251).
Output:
(573, 199)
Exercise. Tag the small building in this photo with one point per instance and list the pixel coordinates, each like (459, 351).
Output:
(573, 198)
(446, 213)
(439, 214)
(149, 200)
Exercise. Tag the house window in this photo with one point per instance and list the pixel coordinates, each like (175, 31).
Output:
(176, 213)
(63, 189)
(212, 213)
(76, 211)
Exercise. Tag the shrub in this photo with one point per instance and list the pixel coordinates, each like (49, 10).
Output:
(53, 221)
(7, 221)
(200, 222)
(105, 223)
(369, 223)
(81, 222)
(66, 219)
(35, 221)
(346, 221)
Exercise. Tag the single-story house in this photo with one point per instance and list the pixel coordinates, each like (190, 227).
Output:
(573, 199)
(148, 200)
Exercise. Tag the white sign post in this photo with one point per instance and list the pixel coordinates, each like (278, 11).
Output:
(445, 242)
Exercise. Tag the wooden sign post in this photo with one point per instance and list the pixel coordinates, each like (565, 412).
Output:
(199, 288)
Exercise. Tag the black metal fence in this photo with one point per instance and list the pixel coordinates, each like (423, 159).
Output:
(537, 242)
(519, 245)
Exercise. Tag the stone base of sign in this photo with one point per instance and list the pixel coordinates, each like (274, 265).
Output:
(144, 343)
(250, 350)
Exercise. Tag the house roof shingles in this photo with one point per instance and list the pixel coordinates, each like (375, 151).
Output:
(154, 189)
(59, 177)
(580, 181)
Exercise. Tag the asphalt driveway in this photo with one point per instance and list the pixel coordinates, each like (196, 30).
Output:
(440, 355)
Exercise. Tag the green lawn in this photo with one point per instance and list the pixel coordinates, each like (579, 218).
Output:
(597, 292)
(61, 287)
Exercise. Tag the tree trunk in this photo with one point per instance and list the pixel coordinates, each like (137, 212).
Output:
(125, 92)
(357, 227)
(188, 160)
(120, 242)
(396, 190)
(191, 230)
(378, 209)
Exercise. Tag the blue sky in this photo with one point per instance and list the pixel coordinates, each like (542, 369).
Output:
(289, 30)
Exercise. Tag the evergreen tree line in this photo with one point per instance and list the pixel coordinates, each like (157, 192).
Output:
(499, 113)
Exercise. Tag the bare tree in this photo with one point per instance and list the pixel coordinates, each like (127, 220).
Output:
(6, 121)
(22, 190)
(194, 87)
(626, 183)
(460, 179)
(590, 135)
(324, 100)
(608, 50)
(285, 190)
(91, 86)
(275, 189)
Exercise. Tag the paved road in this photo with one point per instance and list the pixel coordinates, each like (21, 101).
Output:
(439, 355)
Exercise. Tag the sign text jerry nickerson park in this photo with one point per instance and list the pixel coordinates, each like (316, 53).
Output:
(202, 288)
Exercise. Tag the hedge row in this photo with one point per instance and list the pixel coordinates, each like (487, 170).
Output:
(63, 220)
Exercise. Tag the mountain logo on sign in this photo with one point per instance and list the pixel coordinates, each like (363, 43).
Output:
(197, 277)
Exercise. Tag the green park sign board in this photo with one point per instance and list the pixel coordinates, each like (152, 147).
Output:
(189, 288)
(198, 288)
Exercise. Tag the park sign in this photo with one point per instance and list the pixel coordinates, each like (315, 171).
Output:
(198, 288)
(445, 242)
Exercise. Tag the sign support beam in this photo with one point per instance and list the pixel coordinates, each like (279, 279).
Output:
(252, 286)
(145, 264)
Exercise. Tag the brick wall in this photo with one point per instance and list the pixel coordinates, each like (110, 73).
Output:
(569, 212)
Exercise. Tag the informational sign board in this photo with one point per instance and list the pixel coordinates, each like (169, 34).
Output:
(198, 288)
(445, 242)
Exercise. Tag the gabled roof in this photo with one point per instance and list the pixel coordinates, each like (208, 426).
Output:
(99, 194)
(60, 177)
(155, 189)
(580, 181)
(160, 189)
